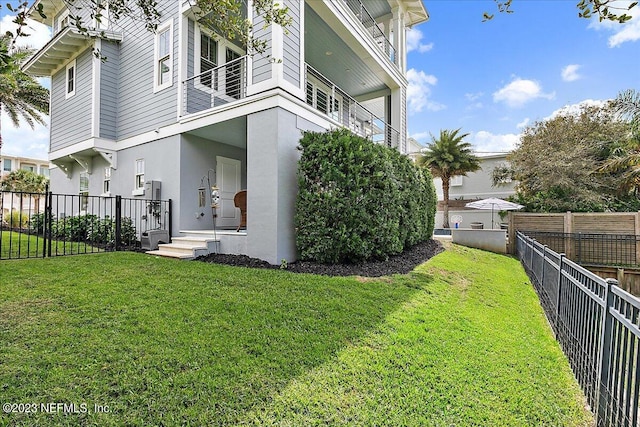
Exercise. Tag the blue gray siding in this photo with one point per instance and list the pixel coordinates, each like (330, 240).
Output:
(291, 57)
(139, 108)
(109, 90)
(261, 62)
(71, 118)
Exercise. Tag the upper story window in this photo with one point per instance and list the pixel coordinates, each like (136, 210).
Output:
(208, 59)
(456, 181)
(28, 167)
(163, 72)
(63, 20)
(70, 80)
(6, 165)
(44, 171)
(319, 96)
(103, 10)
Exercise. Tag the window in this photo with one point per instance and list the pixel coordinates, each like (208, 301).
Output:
(44, 171)
(319, 96)
(163, 72)
(28, 167)
(6, 165)
(84, 191)
(71, 79)
(102, 9)
(106, 184)
(63, 20)
(139, 184)
(208, 60)
(456, 181)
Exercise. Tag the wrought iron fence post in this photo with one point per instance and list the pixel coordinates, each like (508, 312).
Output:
(45, 222)
(579, 248)
(169, 226)
(604, 348)
(118, 236)
(48, 219)
(544, 256)
(559, 292)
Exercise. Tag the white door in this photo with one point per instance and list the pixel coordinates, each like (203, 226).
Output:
(229, 181)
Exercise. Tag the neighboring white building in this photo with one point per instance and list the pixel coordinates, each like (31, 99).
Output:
(13, 202)
(474, 186)
(173, 106)
(13, 163)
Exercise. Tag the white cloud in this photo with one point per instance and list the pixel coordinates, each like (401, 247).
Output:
(473, 96)
(570, 73)
(419, 90)
(39, 34)
(519, 92)
(414, 41)
(575, 109)
(523, 123)
(24, 141)
(487, 142)
(622, 33)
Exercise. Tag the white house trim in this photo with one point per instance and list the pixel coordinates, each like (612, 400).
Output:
(95, 92)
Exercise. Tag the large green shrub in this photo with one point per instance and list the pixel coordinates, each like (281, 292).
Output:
(358, 200)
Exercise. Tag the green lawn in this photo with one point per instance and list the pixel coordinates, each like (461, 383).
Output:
(461, 341)
(21, 245)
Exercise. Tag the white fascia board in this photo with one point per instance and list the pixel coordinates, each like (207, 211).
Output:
(88, 144)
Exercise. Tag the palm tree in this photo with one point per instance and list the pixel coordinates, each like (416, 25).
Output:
(20, 94)
(625, 159)
(446, 157)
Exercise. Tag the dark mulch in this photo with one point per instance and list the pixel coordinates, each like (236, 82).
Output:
(398, 264)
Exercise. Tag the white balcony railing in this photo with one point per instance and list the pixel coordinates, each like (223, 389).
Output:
(329, 99)
(372, 28)
(215, 87)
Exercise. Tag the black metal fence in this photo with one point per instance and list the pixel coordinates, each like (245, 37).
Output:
(38, 225)
(598, 327)
(592, 249)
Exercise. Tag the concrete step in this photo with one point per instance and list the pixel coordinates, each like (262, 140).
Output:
(169, 254)
(193, 251)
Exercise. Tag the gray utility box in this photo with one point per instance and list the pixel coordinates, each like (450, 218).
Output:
(150, 239)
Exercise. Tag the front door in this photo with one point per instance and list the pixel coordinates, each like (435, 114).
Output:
(228, 176)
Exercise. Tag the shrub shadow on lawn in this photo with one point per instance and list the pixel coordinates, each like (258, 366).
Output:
(183, 343)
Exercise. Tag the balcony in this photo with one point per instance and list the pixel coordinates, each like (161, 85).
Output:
(373, 28)
(228, 83)
(335, 103)
(215, 87)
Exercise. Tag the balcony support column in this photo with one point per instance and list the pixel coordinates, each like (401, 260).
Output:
(399, 38)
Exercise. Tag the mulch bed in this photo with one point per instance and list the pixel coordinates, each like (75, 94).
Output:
(398, 264)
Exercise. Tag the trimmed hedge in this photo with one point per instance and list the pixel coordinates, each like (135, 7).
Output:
(358, 200)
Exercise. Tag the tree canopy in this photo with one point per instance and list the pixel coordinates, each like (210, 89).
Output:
(21, 96)
(226, 17)
(22, 180)
(558, 162)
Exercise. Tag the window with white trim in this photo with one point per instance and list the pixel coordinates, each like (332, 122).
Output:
(319, 96)
(63, 20)
(70, 79)
(7, 165)
(208, 59)
(456, 181)
(163, 72)
(106, 183)
(84, 190)
(103, 10)
(44, 171)
(139, 179)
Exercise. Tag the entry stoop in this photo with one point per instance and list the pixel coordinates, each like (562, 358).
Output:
(188, 247)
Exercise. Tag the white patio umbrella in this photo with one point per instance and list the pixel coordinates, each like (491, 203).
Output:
(494, 203)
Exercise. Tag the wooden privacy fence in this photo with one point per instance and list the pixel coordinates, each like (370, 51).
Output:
(627, 223)
(598, 327)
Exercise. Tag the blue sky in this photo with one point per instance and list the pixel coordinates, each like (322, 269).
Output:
(493, 78)
(489, 78)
